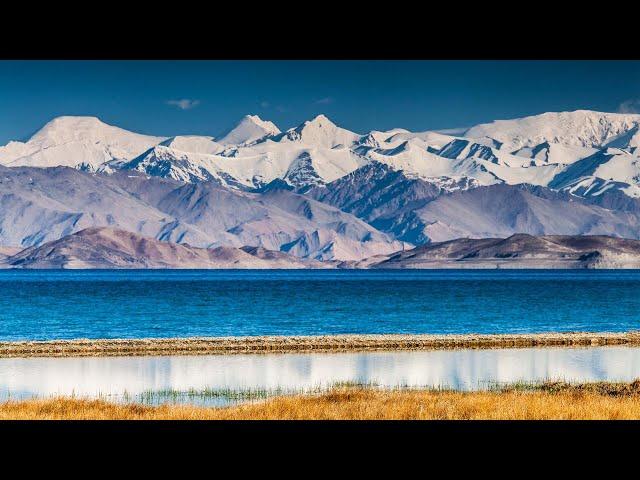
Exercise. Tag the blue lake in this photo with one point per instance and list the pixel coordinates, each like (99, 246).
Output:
(150, 303)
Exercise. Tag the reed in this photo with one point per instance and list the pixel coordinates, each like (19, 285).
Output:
(550, 400)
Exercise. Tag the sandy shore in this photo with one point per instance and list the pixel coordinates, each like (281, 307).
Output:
(305, 344)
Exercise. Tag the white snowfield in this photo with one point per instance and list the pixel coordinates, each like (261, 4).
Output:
(79, 142)
(582, 128)
(588, 150)
(536, 150)
(250, 130)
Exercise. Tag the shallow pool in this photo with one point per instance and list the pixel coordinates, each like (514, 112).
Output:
(225, 379)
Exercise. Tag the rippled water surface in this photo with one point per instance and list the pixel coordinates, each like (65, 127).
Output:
(148, 303)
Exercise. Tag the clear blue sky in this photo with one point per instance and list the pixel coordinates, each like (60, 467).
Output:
(144, 96)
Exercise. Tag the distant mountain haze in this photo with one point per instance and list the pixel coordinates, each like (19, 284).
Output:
(519, 251)
(113, 248)
(109, 248)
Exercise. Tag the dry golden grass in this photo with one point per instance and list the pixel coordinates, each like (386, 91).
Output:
(554, 401)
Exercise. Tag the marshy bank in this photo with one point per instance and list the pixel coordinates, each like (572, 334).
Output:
(307, 344)
(223, 380)
(552, 400)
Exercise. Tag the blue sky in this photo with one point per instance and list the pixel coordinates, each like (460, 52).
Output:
(206, 97)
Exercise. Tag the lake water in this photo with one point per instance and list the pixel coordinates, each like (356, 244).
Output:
(183, 379)
(148, 303)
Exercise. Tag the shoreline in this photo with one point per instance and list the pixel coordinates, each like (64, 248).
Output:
(307, 344)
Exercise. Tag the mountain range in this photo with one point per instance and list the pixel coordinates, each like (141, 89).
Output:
(320, 192)
(114, 248)
(518, 251)
(109, 248)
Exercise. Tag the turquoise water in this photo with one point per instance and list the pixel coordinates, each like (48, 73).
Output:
(149, 303)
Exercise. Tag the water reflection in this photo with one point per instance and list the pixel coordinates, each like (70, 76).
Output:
(460, 369)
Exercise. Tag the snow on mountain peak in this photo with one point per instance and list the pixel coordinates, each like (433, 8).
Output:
(67, 129)
(76, 140)
(265, 124)
(321, 117)
(194, 144)
(549, 149)
(249, 130)
(580, 128)
(321, 132)
(320, 121)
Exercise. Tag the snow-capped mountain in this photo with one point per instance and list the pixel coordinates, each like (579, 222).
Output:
(166, 162)
(81, 142)
(251, 129)
(581, 128)
(305, 156)
(418, 211)
(320, 132)
(194, 144)
(323, 192)
(538, 150)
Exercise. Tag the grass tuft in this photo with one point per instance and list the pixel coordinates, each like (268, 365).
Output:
(522, 401)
